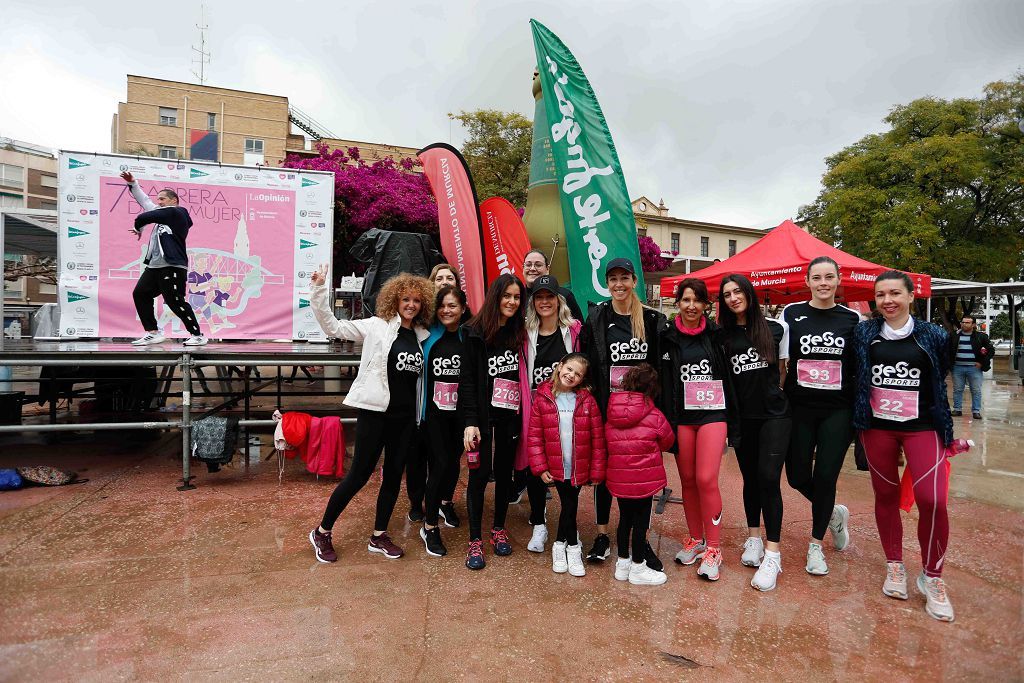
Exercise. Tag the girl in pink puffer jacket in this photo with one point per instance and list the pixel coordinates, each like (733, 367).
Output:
(636, 435)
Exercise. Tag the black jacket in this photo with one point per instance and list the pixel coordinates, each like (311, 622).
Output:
(474, 398)
(672, 386)
(172, 224)
(389, 253)
(980, 343)
(594, 343)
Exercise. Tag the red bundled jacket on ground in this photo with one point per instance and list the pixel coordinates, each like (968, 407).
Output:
(319, 441)
(544, 447)
(636, 434)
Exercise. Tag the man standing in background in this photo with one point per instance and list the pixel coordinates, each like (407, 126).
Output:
(970, 352)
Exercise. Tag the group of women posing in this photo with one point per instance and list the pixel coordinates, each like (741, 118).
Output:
(522, 384)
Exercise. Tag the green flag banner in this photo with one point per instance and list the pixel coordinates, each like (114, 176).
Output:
(598, 217)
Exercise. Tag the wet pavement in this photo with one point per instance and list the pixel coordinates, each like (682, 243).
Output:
(123, 577)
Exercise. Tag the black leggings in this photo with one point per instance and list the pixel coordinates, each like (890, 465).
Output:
(761, 454)
(635, 517)
(170, 283)
(816, 452)
(502, 434)
(375, 431)
(569, 496)
(602, 504)
(444, 434)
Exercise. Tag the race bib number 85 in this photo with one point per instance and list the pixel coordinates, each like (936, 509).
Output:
(703, 395)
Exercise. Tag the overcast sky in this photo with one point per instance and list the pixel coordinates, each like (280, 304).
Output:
(725, 109)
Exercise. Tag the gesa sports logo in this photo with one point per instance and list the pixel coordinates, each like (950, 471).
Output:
(745, 362)
(826, 343)
(634, 349)
(447, 366)
(541, 374)
(411, 362)
(506, 362)
(899, 375)
(690, 372)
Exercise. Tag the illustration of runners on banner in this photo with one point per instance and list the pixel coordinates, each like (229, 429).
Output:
(256, 236)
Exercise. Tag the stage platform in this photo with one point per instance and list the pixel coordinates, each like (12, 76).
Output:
(172, 356)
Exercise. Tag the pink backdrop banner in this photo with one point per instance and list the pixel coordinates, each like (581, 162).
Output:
(241, 260)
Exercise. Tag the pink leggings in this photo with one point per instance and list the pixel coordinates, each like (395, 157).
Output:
(699, 459)
(926, 460)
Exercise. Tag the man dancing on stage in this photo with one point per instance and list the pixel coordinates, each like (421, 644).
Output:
(166, 263)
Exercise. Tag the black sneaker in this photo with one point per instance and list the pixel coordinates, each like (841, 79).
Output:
(447, 513)
(956, 413)
(322, 546)
(501, 543)
(517, 497)
(432, 541)
(600, 550)
(976, 416)
(416, 514)
(652, 559)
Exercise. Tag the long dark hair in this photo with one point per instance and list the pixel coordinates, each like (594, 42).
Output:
(757, 326)
(459, 295)
(487, 322)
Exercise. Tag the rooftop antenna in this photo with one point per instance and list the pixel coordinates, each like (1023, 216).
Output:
(203, 57)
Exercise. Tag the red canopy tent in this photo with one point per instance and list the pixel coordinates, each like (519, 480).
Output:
(777, 265)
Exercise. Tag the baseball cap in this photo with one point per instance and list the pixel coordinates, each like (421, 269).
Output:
(623, 263)
(547, 282)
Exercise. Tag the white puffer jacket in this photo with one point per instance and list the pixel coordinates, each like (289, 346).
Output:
(369, 390)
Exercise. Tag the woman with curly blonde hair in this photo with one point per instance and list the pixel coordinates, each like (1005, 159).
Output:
(386, 392)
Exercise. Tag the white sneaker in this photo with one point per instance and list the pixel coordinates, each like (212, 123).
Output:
(816, 564)
(839, 526)
(753, 552)
(937, 602)
(574, 558)
(622, 568)
(709, 566)
(559, 562)
(149, 338)
(692, 551)
(642, 575)
(766, 575)
(895, 585)
(196, 341)
(539, 538)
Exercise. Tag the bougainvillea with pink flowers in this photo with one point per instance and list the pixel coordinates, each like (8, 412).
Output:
(651, 259)
(384, 194)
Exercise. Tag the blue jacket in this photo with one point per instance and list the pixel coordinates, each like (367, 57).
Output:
(933, 340)
(436, 332)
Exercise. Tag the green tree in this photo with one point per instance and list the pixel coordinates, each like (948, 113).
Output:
(1001, 326)
(498, 152)
(939, 192)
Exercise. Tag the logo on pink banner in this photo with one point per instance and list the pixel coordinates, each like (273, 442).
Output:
(241, 252)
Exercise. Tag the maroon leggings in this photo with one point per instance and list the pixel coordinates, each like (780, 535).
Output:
(927, 462)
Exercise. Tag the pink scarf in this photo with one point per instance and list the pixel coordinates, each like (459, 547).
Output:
(692, 331)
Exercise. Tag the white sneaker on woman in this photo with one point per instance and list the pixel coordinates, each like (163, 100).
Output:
(149, 338)
(559, 562)
(895, 585)
(937, 602)
(753, 552)
(539, 538)
(642, 575)
(622, 568)
(816, 564)
(839, 525)
(574, 558)
(195, 340)
(766, 575)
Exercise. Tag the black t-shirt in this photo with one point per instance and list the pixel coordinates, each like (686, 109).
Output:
(405, 362)
(820, 372)
(696, 367)
(503, 382)
(901, 385)
(624, 350)
(443, 373)
(756, 380)
(550, 350)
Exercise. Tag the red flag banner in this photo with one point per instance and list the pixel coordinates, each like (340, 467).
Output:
(457, 217)
(505, 238)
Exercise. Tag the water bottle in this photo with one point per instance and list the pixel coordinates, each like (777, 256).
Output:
(959, 446)
(473, 459)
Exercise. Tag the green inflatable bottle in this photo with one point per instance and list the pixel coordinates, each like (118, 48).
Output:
(543, 217)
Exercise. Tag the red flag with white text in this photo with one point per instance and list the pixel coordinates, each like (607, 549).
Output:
(505, 240)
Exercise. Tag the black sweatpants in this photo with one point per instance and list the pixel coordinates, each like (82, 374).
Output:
(762, 452)
(569, 496)
(170, 283)
(536, 492)
(375, 431)
(416, 466)
(817, 449)
(444, 435)
(502, 433)
(602, 504)
(634, 519)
